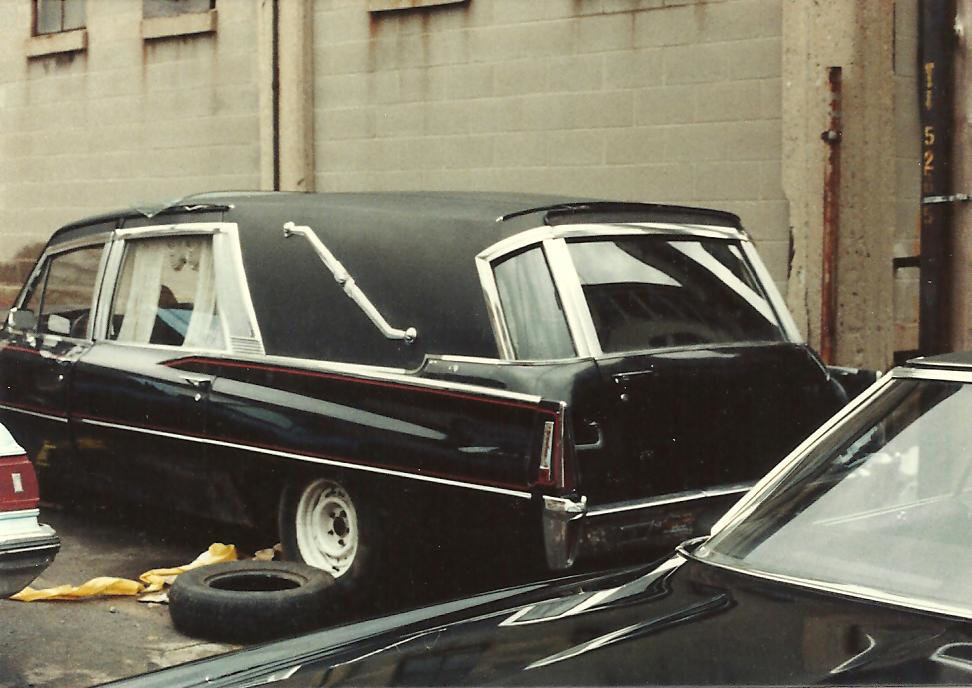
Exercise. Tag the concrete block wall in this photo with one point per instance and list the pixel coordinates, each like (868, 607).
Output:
(907, 172)
(669, 101)
(121, 121)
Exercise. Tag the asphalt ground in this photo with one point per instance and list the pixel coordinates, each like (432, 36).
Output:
(69, 644)
(82, 643)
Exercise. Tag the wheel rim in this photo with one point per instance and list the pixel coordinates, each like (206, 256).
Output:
(327, 527)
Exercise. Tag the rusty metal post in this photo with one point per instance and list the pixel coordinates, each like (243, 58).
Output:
(831, 221)
(936, 48)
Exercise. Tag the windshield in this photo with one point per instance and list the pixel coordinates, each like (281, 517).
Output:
(646, 292)
(887, 505)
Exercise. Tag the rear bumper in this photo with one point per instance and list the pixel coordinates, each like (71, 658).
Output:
(574, 530)
(26, 549)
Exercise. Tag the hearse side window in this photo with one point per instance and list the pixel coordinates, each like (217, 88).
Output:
(166, 294)
(648, 292)
(534, 315)
(65, 303)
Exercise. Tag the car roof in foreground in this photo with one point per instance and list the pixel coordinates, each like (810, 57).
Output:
(959, 360)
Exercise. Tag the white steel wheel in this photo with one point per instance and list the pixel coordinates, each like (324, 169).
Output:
(326, 527)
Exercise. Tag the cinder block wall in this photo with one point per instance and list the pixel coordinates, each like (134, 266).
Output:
(671, 101)
(907, 172)
(123, 120)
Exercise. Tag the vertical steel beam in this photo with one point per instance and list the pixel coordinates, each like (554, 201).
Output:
(831, 220)
(937, 108)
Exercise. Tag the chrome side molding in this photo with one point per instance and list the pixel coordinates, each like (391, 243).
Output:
(347, 283)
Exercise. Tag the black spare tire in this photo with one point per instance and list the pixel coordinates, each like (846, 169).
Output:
(248, 601)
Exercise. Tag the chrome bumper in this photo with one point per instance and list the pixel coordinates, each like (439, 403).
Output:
(572, 529)
(26, 549)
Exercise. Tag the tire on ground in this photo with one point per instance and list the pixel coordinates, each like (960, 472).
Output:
(249, 601)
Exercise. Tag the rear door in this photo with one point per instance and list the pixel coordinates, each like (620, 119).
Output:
(37, 359)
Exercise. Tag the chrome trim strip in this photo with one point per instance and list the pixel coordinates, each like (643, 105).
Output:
(662, 500)
(179, 229)
(347, 283)
(17, 515)
(397, 375)
(576, 309)
(767, 483)
(59, 419)
(501, 362)
(777, 302)
(945, 375)
(99, 238)
(312, 459)
(52, 543)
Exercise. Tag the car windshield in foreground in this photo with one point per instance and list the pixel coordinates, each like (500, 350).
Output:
(646, 292)
(885, 505)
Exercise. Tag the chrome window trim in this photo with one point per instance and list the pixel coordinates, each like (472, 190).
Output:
(576, 309)
(777, 302)
(101, 238)
(179, 229)
(504, 343)
(536, 235)
(235, 304)
(312, 459)
(580, 322)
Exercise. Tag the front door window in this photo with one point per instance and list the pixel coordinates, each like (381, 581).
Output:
(65, 304)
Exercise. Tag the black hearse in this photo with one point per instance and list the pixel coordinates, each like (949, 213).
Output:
(406, 371)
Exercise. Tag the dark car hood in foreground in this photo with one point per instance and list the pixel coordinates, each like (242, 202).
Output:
(680, 624)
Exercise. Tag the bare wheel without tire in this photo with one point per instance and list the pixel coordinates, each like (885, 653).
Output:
(321, 525)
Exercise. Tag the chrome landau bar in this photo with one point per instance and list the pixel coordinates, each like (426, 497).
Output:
(344, 278)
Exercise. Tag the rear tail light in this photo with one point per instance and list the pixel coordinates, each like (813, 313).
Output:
(553, 467)
(18, 484)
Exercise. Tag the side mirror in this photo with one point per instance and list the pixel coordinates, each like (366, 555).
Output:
(58, 324)
(22, 320)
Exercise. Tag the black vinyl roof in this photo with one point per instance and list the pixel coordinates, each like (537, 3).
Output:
(412, 253)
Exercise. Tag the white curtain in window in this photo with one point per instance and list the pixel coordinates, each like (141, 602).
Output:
(203, 330)
(142, 304)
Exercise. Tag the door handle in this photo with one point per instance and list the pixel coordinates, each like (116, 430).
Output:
(200, 382)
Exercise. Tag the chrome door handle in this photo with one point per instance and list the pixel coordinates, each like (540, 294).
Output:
(200, 382)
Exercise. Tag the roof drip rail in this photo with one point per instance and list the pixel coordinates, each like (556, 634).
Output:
(653, 212)
(347, 283)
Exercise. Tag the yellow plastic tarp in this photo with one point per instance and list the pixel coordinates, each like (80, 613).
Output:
(150, 581)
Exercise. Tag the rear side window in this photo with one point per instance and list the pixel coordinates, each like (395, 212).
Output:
(63, 294)
(534, 315)
(166, 294)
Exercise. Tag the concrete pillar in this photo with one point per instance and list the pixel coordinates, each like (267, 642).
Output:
(285, 48)
(857, 36)
(962, 180)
